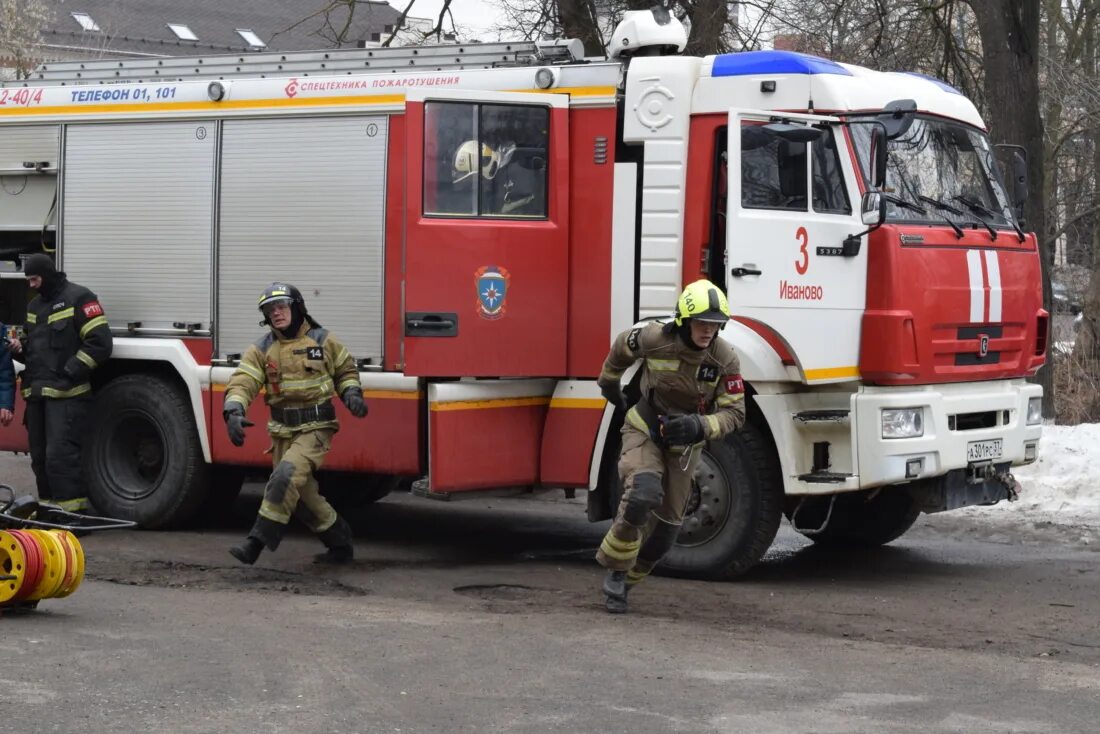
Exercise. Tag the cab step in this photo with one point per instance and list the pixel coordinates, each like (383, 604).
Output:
(821, 416)
(825, 477)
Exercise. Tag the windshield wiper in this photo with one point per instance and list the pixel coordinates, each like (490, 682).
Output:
(946, 208)
(980, 213)
(904, 204)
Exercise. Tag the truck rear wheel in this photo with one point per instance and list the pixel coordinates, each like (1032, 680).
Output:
(734, 512)
(864, 520)
(142, 457)
(350, 491)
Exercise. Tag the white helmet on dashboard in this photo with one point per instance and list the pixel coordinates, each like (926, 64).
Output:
(468, 162)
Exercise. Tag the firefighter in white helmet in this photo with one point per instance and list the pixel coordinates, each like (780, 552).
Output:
(300, 367)
(691, 393)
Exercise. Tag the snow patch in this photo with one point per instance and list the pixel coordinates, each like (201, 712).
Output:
(1062, 486)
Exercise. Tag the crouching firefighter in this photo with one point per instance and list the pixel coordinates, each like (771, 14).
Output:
(301, 367)
(691, 393)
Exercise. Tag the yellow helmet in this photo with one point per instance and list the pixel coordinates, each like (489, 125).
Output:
(704, 301)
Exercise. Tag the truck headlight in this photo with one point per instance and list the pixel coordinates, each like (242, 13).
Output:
(903, 423)
(1034, 411)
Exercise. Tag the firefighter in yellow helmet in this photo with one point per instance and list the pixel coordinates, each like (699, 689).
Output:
(301, 367)
(691, 393)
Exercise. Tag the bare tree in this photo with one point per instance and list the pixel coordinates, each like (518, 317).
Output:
(21, 23)
(336, 22)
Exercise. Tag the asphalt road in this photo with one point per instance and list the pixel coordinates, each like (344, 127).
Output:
(484, 616)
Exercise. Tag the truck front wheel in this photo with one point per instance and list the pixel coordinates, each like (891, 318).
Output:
(142, 456)
(858, 519)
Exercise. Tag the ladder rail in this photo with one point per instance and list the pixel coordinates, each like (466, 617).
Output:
(304, 63)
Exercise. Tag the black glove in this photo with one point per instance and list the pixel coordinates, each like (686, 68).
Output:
(353, 398)
(76, 371)
(235, 423)
(684, 430)
(613, 393)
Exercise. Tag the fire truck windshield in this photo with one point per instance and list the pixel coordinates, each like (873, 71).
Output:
(943, 162)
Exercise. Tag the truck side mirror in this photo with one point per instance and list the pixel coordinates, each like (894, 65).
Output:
(872, 211)
(1019, 177)
(879, 142)
(873, 208)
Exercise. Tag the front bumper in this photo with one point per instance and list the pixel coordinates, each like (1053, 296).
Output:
(955, 416)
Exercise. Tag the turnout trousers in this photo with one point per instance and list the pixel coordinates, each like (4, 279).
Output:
(55, 428)
(656, 489)
(292, 490)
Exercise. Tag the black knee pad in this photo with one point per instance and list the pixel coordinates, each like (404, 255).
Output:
(659, 542)
(277, 484)
(644, 497)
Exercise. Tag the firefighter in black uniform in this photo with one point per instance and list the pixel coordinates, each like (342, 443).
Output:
(67, 336)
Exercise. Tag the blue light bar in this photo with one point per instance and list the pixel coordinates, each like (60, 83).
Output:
(938, 82)
(774, 62)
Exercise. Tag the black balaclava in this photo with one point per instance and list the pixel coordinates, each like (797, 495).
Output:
(685, 336)
(296, 318)
(41, 265)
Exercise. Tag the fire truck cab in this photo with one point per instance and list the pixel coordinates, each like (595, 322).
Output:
(477, 223)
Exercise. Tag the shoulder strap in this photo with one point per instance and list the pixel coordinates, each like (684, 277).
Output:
(318, 335)
(264, 342)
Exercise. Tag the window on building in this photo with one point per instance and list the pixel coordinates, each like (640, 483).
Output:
(251, 38)
(486, 160)
(183, 32)
(387, 29)
(376, 37)
(829, 193)
(86, 21)
(773, 170)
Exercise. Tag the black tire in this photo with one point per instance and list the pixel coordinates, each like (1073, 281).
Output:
(348, 491)
(866, 519)
(734, 512)
(142, 458)
(225, 484)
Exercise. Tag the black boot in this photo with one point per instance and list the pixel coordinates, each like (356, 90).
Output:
(248, 551)
(615, 589)
(338, 541)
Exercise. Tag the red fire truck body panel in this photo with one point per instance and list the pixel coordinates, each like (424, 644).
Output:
(496, 443)
(567, 441)
(943, 309)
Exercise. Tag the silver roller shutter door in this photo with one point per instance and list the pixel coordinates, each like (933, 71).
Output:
(303, 201)
(25, 200)
(137, 221)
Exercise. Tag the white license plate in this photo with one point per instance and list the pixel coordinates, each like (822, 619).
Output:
(984, 450)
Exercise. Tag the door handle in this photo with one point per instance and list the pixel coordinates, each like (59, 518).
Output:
(741, 272)
(421, 323)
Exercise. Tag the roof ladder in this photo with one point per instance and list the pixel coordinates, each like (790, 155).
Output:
(307, 63)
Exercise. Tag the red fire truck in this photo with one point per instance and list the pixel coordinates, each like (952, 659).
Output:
(477, 222)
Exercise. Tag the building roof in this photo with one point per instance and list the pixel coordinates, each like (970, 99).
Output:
(140, 27)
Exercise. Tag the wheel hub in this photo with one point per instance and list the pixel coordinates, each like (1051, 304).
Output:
(136, 448)
(708, 506)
